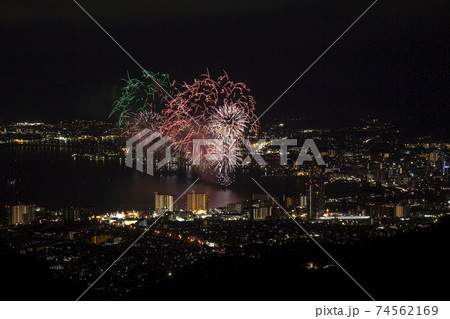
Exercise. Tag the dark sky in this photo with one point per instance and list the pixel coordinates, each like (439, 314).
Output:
(57, 64)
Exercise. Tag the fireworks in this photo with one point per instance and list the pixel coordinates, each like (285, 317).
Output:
(145, 119)
(229, 121)
(141, 101)
(218, 110)
(229, 124)
(212, 109)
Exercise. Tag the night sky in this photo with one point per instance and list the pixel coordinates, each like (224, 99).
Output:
(57, 64)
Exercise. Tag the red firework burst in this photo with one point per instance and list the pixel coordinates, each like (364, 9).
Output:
(196, 111)
(212, 109)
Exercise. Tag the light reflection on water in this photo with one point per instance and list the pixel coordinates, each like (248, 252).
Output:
(49, 176)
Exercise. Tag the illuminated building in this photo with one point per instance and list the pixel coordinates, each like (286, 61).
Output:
(20, 214)
(197, 201)
(263, 198)
(71, 214)
(262, 206)
(433, 157)
(288, 201)
(385, 210)
(100, 239)
(405, 180)
(163, 202)
(235, 208)
(316, 199)
(402, 210)
(399, 211)
(303, 201)
(181, 216)
(391, 210)
(261, 213)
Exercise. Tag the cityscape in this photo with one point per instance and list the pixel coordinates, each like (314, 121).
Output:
(377, 187)
(198, 159)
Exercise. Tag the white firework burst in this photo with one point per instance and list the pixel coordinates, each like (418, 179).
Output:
(229, 121)
(224, 156)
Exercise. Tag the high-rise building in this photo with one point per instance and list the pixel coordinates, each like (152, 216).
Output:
(303, 201)
(163, 203)
(399, 211)
(20, 214)
(264, 198)
(316, 199)
(434, 157)
(261, 213)
(445, 169)
(197, 201)
(71, 214)
(402, 210)
(288, 202)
